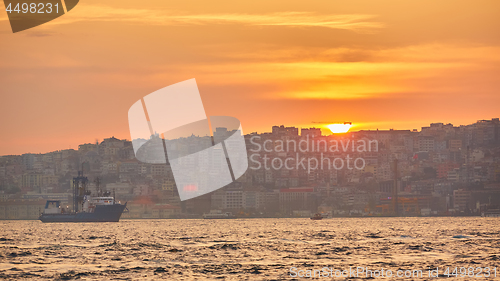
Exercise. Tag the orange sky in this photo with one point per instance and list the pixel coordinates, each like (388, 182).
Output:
(378, 64)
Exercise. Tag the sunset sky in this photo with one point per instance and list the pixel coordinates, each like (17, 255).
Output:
(377, 64)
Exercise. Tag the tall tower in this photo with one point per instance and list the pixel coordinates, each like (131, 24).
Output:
(395, 203)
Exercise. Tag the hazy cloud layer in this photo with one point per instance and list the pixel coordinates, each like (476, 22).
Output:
(355, 22)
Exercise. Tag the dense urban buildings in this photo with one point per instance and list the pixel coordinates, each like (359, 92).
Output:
(440, 170)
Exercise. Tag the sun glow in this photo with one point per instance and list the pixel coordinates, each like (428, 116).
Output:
(340, 128)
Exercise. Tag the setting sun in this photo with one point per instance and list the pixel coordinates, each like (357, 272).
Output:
(340, 128)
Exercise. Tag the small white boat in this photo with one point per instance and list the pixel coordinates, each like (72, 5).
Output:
(218, 214)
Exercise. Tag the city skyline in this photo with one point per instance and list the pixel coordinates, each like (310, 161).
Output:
(441, 170)
(322, 128)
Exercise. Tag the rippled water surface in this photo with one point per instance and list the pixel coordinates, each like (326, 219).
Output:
(251, 249)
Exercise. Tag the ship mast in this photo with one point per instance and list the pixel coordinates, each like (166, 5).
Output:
(79, 190)
(98, 186)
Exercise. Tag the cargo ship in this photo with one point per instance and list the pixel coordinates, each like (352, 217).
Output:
(86, 207)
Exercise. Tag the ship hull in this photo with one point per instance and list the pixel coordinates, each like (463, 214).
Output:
(102, 213)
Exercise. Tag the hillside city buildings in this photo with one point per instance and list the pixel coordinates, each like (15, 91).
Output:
(440, 170)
